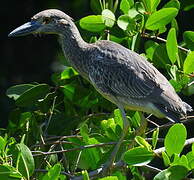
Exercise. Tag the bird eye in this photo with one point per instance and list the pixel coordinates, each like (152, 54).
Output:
(46, 20)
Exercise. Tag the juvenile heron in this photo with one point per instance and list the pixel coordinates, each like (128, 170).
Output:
(120, 75)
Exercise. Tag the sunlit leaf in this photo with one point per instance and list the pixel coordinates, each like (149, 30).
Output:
(155, 138)
(23, 158)
(108, 17)
(138, 156)
(151, 5)
(92, 23)
(126, 23)
(166, 159)
(142, 142)
(188, 37)
(53, 173)
(172, 4)
(172, 173)
(172, 46)
(85, 175)
(125, 5)
(68, 73)
(188, 66)
(109, 178)
(174, 142)
(161, 18)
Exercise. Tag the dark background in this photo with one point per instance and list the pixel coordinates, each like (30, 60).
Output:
(28, 59)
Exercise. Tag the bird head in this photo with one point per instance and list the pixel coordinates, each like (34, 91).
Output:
(50, 21)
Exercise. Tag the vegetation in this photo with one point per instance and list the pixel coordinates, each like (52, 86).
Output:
(66, 129)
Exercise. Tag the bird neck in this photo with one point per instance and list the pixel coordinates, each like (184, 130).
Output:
(72, 42)
(74, 47)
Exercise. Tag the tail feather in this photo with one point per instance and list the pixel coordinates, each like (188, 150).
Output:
(188, 107)
(170, 115)
(173, 115)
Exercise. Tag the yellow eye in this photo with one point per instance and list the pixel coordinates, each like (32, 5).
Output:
(46, 20)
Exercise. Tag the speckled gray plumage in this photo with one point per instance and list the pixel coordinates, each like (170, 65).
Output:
(119, 74)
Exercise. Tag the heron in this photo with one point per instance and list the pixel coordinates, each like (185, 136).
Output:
(120, 75)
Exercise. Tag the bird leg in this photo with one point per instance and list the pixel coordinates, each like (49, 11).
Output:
(108, 165)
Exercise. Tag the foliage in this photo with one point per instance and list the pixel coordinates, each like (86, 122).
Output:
(84, 126)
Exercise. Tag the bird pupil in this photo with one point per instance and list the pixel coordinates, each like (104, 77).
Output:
(46, 20)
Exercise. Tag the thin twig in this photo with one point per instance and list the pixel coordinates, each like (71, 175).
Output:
(165, 126)
(40, 153)
(63, 137)
(163, 40)
(51, 114)
(154, 169)
(54, 142)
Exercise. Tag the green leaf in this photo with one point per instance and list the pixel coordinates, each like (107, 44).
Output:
(126, 23)
(188, 37)
(92, 23)
(53, 173)
(118, 117)
(32, 95)
(142, 142)
(160, 57)
(151, 5)
(2, 143)
(150, 47)
(108, 18)
(172, 173)
(188, 66)
(85, 175)
(172, 4)
(138, 156)
(120, 175)
(24, 160)
(125, 5)
(174, 24)
(68, 73)
(176, 85)
(16, 91)
(172, 46)
(182, 161)
(190, 158)
(174, 142)
(90, 157)
(8, 172)
(161, 18)
(155, 138)
(109, 178)
(69, 91)
(166, 159)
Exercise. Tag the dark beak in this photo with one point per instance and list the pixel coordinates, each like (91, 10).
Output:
(25, 29)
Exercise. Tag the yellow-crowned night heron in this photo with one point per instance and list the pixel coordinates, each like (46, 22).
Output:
(120, 75)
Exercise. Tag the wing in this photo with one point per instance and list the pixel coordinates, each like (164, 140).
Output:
(121, 78)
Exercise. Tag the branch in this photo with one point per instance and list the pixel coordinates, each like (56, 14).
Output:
(121, 165)
(162, 149)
